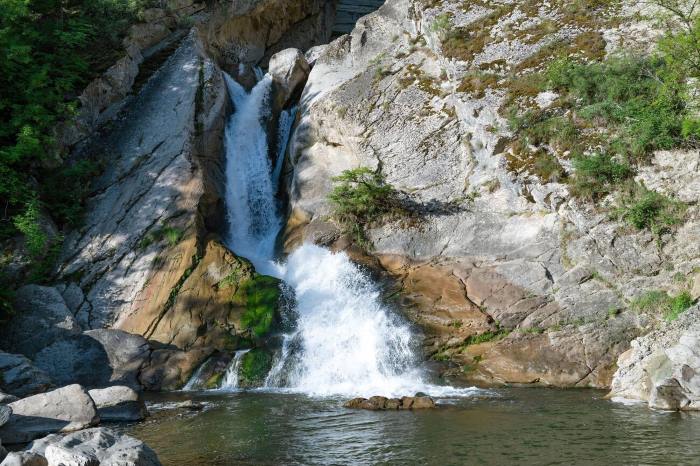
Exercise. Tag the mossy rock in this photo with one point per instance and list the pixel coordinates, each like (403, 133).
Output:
(259, 296)
(214, 381)
(255, 366)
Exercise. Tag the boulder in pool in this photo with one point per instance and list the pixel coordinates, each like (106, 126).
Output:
(118, 404)
(382, 403)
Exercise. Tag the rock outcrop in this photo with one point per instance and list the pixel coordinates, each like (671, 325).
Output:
(96, 358)
(20, 377)
(62, 410)
(487, 250)
(118, 404)
(662, 368)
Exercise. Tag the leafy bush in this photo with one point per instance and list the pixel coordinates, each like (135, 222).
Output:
(597, 175)
(361, 197)
(48, 54)
(29, 223)
(645, 209)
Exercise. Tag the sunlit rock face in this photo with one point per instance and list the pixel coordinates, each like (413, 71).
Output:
(491, 249)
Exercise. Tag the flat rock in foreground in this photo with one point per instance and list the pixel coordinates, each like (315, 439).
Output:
(382, 403)
(63, 410)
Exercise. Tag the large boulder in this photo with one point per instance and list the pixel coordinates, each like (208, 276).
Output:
(118, 403)
(62, 410)
(289, 70)
(662, 368)
(97, 446)
(96, 358)
(20, 377)
(42, 317)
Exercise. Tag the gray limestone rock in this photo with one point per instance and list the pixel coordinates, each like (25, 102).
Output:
(96, 358)
(62, 410)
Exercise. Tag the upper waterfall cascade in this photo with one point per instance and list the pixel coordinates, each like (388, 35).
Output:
(344, 339)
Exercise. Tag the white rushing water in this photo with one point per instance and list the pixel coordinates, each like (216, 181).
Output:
(345, 341)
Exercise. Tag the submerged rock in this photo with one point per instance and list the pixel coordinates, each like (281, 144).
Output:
(61, 410)
(382, 403)
(190, 405)
(118, 404)
(97, 446)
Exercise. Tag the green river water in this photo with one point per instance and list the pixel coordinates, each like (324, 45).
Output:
(496, 427)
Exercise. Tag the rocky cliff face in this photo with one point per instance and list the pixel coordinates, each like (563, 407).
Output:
(491, 250)
(149, 259)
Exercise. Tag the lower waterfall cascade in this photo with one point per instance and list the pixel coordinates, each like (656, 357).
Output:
(344, 340)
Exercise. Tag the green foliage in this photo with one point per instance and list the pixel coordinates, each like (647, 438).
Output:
(597, 175)
(361, 197)
(260, 296)
(645, 209)
(679, 304)
(486, 337)
(29, 224)
(49, 50)
(255, 365)
(656, 301)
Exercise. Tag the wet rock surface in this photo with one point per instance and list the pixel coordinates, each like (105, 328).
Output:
(382, 403)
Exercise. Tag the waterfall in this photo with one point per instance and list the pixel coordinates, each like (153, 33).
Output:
(231, 376)
(345, 340)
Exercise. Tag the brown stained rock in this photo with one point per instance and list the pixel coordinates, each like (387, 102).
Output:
(382, 403)
(581, 357)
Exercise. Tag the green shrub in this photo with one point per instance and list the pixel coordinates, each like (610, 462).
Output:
(678, 305)
(596, 175)
(29, 224)
(359, 198)
(646, 209)
(172, 235)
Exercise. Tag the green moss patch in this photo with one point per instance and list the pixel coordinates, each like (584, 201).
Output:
(259, 296)
(255, 366)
